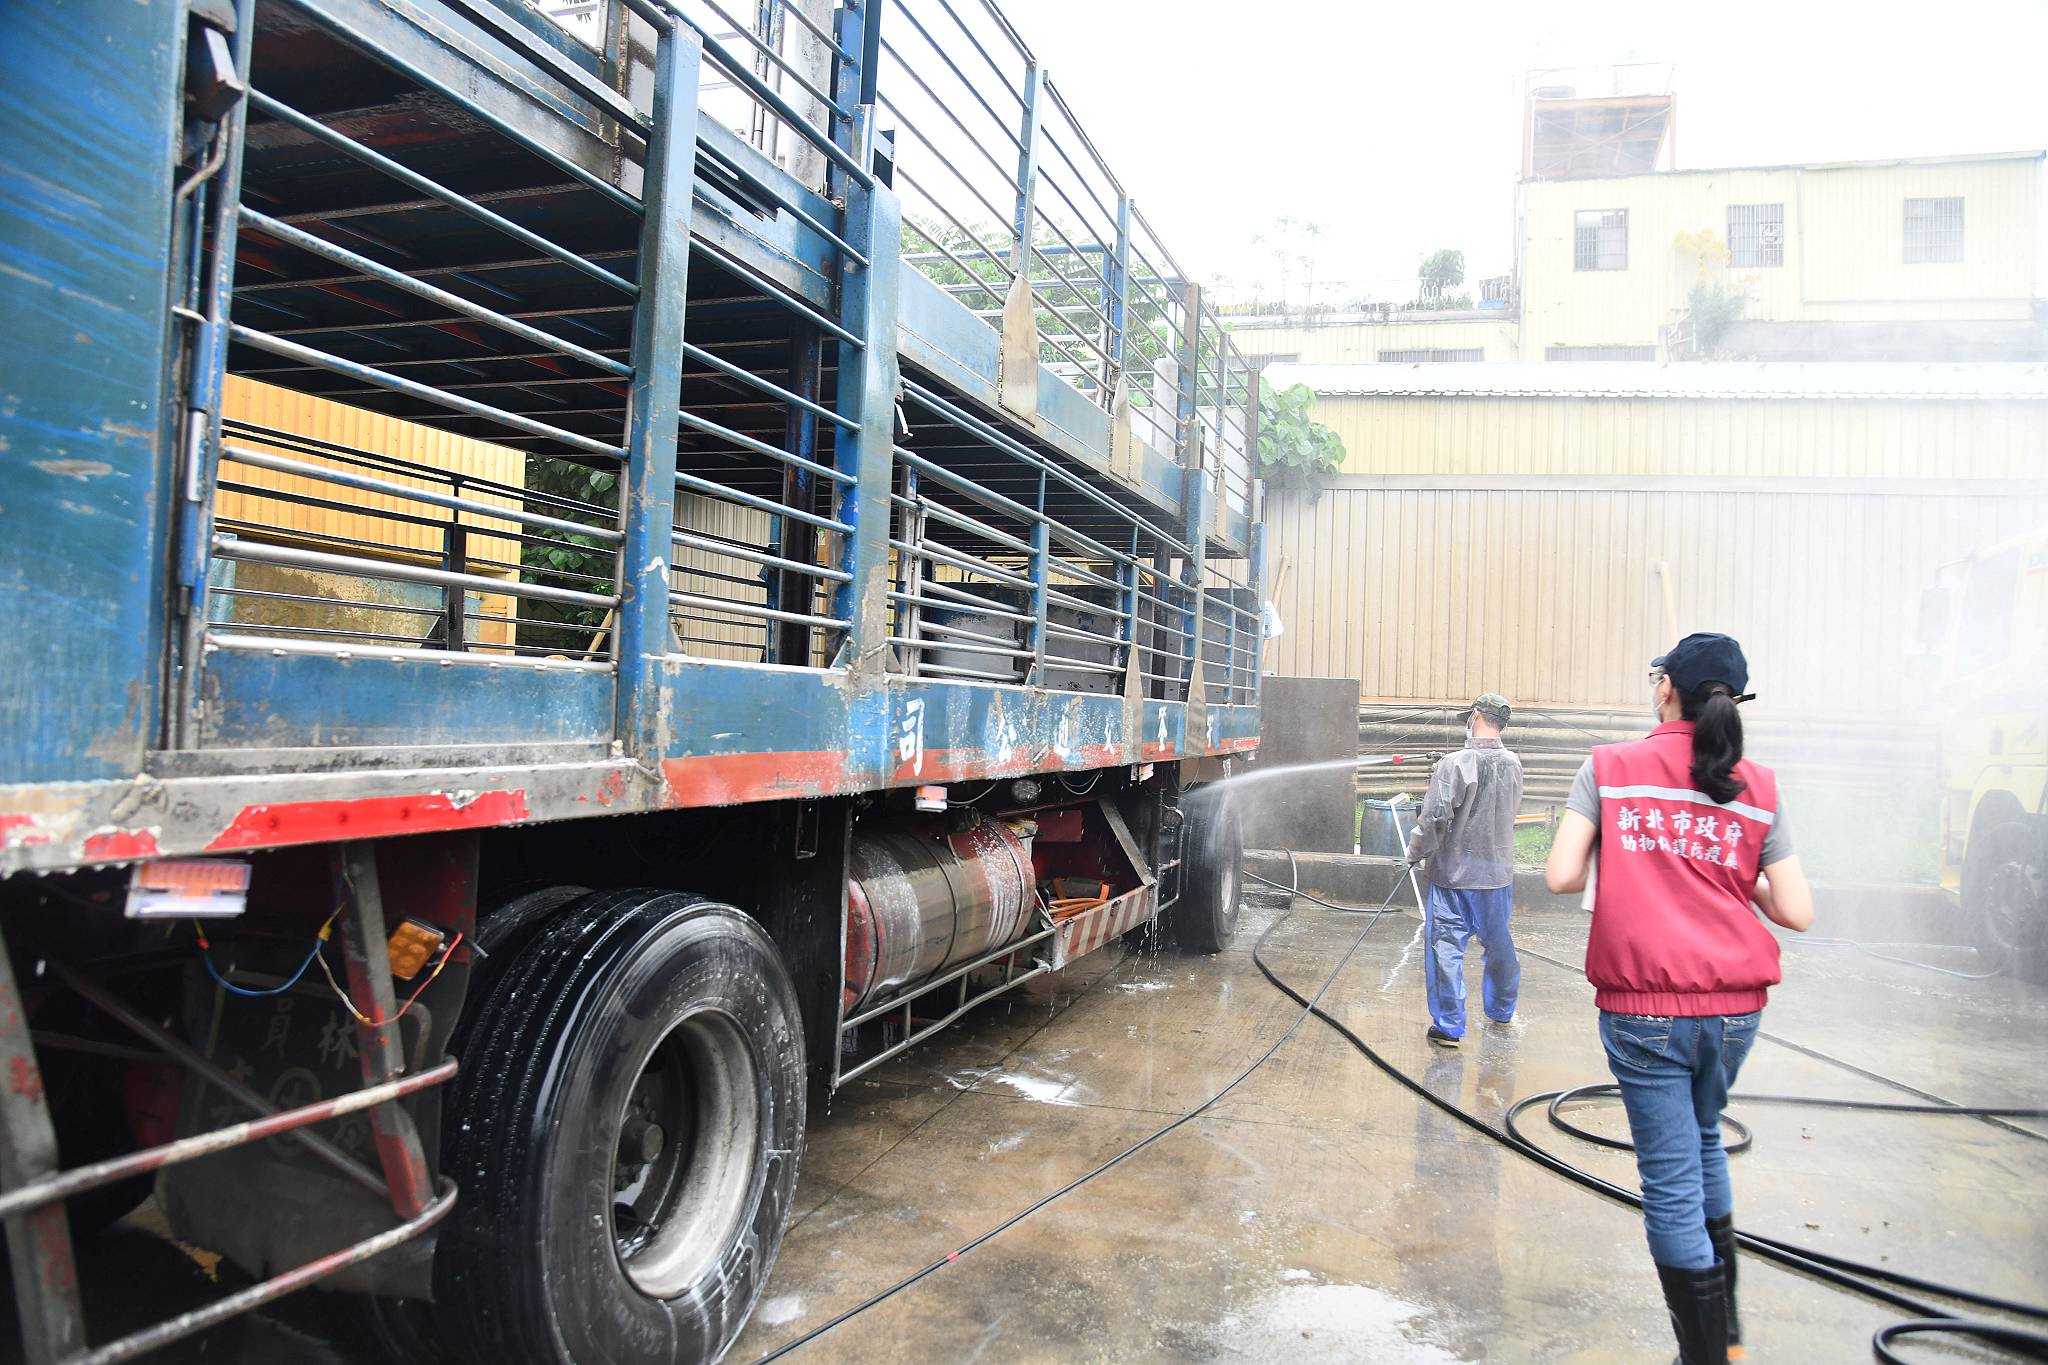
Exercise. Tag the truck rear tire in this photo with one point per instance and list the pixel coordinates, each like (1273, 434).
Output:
(2005, 896)
(1212, 874)
(625, 1138)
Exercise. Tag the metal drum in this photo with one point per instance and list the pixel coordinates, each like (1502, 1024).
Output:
(921, 901)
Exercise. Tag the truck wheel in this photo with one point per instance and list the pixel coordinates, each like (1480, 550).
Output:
(1212, 880)
(2005, 896)
(626, 1138)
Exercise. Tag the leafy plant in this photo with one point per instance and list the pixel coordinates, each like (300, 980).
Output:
(1715, 300)
(565, 558)
(1296, 452)
(1440, 272)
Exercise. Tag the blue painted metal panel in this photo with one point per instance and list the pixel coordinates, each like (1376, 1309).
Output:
(941, 334)
(268, 701)
(761, 733)
(650, 475)
(85, 189)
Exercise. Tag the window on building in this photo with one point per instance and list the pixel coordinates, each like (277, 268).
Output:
(1600, 353)
(1934, 230)
(1432, 355)
(1601, 241)
(1756, 234)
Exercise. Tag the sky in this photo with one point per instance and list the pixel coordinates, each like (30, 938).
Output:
(1396, 127)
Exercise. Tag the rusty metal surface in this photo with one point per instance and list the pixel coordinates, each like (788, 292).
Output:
(38, 1239)
(182, 1053)
(21, 1199)
(199, 1319)
(369, 984)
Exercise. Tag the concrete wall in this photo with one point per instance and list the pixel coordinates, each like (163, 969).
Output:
(1843, 254)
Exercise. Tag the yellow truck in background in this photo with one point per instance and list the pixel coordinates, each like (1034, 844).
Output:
(1985, 621)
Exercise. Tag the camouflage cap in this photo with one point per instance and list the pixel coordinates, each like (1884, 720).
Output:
(1491, 705)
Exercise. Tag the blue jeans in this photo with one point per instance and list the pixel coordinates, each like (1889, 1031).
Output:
(1674, 1075)
(1449, 920)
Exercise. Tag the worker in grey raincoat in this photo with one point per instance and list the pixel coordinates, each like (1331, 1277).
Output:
(1467, 834)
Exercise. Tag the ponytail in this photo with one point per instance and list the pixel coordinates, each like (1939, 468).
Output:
(1716, 739)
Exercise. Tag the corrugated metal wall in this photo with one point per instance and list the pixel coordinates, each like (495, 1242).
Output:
(1667, 437)
(265, 405)
(1519, 550)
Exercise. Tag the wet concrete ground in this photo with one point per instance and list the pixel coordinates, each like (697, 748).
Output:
(1321, 1213)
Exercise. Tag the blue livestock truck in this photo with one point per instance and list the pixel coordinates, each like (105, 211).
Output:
(578, 578)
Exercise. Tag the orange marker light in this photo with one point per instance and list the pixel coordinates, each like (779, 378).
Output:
(412, 944)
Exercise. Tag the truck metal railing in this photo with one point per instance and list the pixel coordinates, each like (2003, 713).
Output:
(1000, 181)
(1009, 567)
(433, 557)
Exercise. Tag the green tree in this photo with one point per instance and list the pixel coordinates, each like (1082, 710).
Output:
(1296, 452)
(1440, 272)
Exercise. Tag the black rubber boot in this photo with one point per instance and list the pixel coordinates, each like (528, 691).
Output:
(1699, 1313)
(1721, 1232)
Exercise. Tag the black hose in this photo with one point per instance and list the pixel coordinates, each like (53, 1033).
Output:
(1140, 1145)
(1867, 1280)
(1994, 1118)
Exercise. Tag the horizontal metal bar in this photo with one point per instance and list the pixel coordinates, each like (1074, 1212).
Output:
(1006, 642)
(762, 557)
(745, 499)
(199, 1319)
(968, 602)
(939, 50)
(329, 632)
(283, 464)
(434, 189)
(998, 651)
(754, 610)
(292, 350)
(516, 35)
(778, 292)
(266, 594)
(726, 367)
(1081, 666)
(759, 447)
(917, 1036)
(777, 60)
(796, 12)
(383, 54)
(1067, 633)
(319, 246)
(100, 1173)
(764, 94)
(228, 548)
(967, 563)
(874, 1012)
(960, 417)
(256, 644)
(954, 671)
(960, 483)
(963, 522)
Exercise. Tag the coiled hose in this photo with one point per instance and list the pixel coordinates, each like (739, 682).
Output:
(1876, 1282)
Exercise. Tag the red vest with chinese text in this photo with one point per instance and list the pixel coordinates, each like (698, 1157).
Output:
(1673, 928)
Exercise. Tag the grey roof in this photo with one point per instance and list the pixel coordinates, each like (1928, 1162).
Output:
(1686, 379)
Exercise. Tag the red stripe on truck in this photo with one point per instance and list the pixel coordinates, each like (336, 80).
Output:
(370, 817)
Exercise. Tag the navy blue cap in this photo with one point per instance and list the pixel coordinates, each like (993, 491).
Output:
(1700, 659)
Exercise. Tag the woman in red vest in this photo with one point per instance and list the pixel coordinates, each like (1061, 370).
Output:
(1690, 836)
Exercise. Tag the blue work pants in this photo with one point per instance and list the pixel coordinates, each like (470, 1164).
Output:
(1449, 920)
(1674, 1075)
